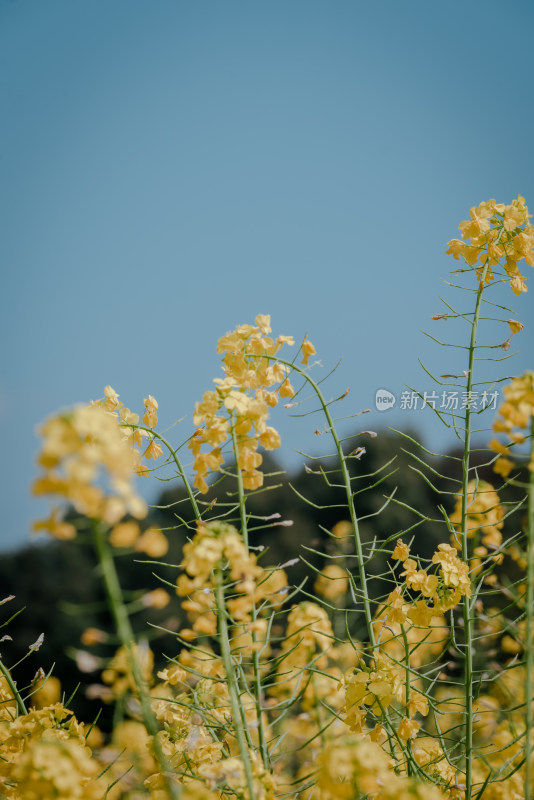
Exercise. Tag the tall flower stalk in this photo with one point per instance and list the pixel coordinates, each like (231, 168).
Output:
(127, 639)
(494, 234)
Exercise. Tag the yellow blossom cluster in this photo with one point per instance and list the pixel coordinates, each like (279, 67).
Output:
(8, 705)
(219, 545)
(308, 638)
(355, 767)
(496, 231)
(46, 692)
(428, 753)
(229, 776)
(397, 623)
(332, 582)
(132, 431)
(514, 419)
(308, 626)
(444, 588)
(83, 447)
(484, 515)
(130, 744)
(342, 530)
(372, 687)
(151, 541)
(192, 695)
(499, 725)
(192, 706)
(80, 448)
(118, 674)
(239, 405)
(44, 756)
(483, 524)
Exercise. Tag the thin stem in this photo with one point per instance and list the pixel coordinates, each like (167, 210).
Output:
(16, 694)
(240, 487)
(466, 602)
(258, 689)
(127, 638)
(407, 680)
(233, 688)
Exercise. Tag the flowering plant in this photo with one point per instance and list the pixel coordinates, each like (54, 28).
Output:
(383, 683)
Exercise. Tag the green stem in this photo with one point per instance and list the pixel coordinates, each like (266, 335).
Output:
(529, 650)
(16, 694)
(240, 487)
(407, 686)
(258, 689)
(126, 636)
(233, 688)
(466, 602)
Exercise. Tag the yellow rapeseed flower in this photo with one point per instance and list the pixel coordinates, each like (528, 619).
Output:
(153, 542)
(238, 408)
(401, 551)
(79, 448)
(307, 350)
(493, 233)
(514, 418)
(332, 583)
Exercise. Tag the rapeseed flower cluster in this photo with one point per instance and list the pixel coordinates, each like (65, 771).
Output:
(218, 546)
(355, 767)
(497, 232)
(90, 459)
(80, 449)
(484, 523)
(128, 534)
(443, 588)
(253, 382)
(307, 640)
(44, 756)
(514, 419)
(332, 582)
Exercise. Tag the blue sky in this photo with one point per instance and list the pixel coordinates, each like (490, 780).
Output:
(170, 169)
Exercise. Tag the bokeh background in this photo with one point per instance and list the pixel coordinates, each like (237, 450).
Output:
(170, 169)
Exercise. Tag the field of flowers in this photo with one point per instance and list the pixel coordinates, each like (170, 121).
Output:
(412, 681)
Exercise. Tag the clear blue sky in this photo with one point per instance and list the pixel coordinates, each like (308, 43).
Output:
(170, 169)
